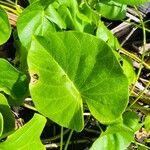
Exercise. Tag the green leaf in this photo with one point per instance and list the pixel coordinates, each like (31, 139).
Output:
(142, 147)
(131, 120)
(76, 67)
(1, 124)
(35, 20)
(68, 11)
(147, 123)
(128, 69)
(27, 137)
(127, 66)
(111, 10)
(32, 1)
(8, 117)
(89, 18)
(5, 29)
(116, 137)
(131, 2)
(12, 82)
(105, 34)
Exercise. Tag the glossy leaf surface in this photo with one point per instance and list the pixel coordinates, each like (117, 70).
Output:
(8, 117)
(76, 67)
(116, 137)
(27, 137)
(5, 29)
(12, 82)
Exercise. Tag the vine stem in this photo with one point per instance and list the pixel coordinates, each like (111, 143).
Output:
(55, 137)
(144, 48)
(9, 9)
(141, 94)
(134, 57)
(7, 4)
(29, 107)
(12, 7)
(137, 143)
(61, 139)
(67, 143)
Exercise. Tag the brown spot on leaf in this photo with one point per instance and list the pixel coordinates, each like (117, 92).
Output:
(34, 78)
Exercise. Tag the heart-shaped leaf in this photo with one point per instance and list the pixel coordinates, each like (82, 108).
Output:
(37, 19)
(75, 66)
(116, 137)
(27, 137)
(12, 82)
(8, 118)
(5, 29)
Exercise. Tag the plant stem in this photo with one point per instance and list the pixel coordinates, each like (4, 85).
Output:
(92, 131)
(140, 95)
(136, 25)
(61, 139)
(135, 57)
(7, 4)
(29, 107)
(81, 141)
(144, 48)
(9, 9)
(55, 137)
(137, 143)
(67, 143)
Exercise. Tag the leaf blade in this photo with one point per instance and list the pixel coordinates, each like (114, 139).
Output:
(12, 82)
(5, 29)
(8, 118)
(85, 60)
(26, 137)
(116, 137)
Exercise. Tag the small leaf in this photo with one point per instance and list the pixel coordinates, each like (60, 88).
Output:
(131, 120)
(147, 123)
(69, 14)
(5, 29)
(1, 124)
(127, 66)
(27, 137)
(116, 137)
(105, 34)
(12, 82)
(76, 67)
(34, 21)
(111, 10)
(9, 120)
(128, 69)
(142, 147)
(54, 16)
